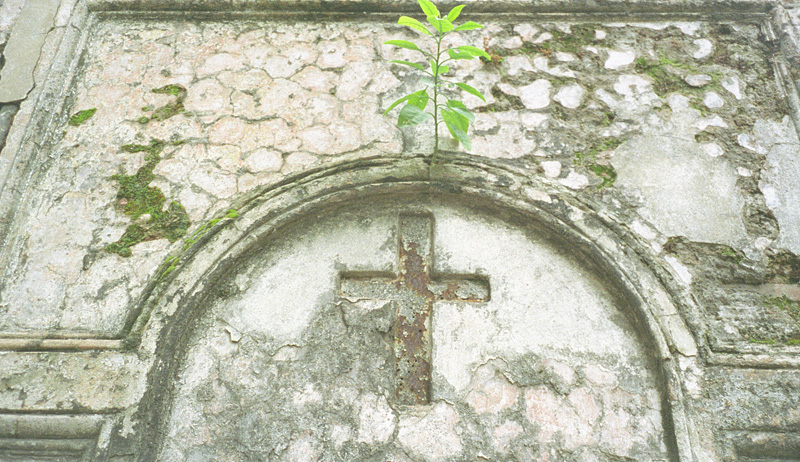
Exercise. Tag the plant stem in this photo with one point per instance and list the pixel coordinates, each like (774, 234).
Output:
(435, 99)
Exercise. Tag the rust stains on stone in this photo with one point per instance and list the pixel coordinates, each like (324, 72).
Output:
(414, 292)
(412, 340)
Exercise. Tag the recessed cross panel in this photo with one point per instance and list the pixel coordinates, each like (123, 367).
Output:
(414, 289)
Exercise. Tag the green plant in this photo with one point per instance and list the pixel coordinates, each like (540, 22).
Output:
(452, 113)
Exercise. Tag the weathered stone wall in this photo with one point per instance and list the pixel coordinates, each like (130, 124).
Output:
(172, 259)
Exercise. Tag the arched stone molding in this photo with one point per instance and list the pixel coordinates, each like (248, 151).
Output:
(628, 264)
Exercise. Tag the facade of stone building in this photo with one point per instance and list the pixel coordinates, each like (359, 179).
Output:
(215, 246)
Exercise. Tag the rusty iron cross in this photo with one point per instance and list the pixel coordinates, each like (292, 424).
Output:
(413, 289)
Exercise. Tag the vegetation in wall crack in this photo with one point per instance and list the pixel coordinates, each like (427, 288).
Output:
(452, 112)
(145, 205)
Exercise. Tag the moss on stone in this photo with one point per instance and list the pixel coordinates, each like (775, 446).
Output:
(664, 81)
(82, 116)
(588, 159)
(729, 253)
(704, 137)
(230, 214)
(761, 341)
(785, 304)
(667, 78)
(168, 110)
(171, 264)
(579, 37)
(606, 173)
(146, 204)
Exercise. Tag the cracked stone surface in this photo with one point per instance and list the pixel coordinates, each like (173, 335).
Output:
(24, 46)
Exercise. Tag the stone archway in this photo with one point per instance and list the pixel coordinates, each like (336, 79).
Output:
(280, 359)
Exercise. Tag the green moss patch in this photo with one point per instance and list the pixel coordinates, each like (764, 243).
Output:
(231, 214)
(81, 116)
(762, 341)
(168, 110)
(665, 81)
(668, 77)
(137, 199)
(171, 263)
(579, 37)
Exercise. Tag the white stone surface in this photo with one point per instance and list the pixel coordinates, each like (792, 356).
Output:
(518, 64)
(619, 59)
(712, 100)
(536, 95)
(552, 168)
(781, 181)
(704, 48)
(698, 80)
(570, 96)
(575, 180)
(734, 86)
(713, 149)
(542, 63)
(686, 192)
(431, 435)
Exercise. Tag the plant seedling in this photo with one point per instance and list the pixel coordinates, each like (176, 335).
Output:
(451, 112)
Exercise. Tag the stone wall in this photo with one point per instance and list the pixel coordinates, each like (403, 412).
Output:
(207, 227)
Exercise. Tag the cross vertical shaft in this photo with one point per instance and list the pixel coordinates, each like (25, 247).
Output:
(412, 336)
(413, 289)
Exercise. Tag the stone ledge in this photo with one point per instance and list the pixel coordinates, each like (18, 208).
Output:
(67, 437)
(625, 7)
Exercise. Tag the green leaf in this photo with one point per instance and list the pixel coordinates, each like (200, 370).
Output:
(442, 25)
(453, 14)
(429, 8)
(403, 44)
(443, 69)
(414, 24)
(403, 99)
(458, 126)
(469, 25)
(414, 65)
(456, 54)
(455, 119)
(420, 99)
(474, 51)
(459, 108)
(470, 90)
(434, 67)
(412, 115)
(426, 81)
